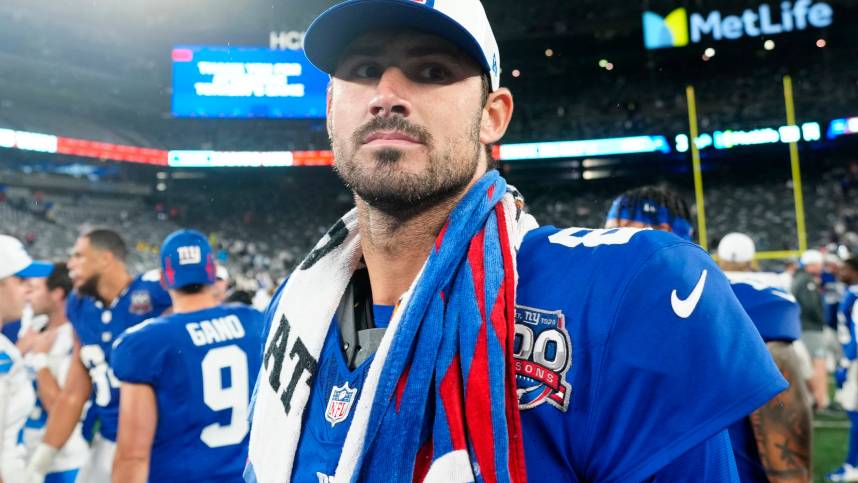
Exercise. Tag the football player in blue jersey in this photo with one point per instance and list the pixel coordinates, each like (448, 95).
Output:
(847, 396)
(654, 207)
(774, 443)
(106, 301)
(183, 413)
(429, 337)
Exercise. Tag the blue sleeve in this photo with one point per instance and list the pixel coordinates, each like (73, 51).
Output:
(269, 313)
(161, 300)
(682, 362)
(265, 326)
(137, 356)
(709, 462)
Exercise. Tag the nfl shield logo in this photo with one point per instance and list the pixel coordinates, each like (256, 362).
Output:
(340, 403)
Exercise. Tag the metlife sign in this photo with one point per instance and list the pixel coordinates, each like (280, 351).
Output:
(679, 28)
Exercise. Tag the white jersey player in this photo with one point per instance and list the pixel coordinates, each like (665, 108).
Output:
(48, 355)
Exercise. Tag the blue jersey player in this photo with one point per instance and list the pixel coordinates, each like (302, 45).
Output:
(774, 443)
(186, 377)
(630, 357)
(106, 301)
(847, 396)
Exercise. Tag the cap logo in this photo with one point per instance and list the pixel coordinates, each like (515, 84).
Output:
(428, 3)
(190, 255)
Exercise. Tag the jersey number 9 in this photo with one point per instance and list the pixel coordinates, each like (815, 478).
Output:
(218, 398)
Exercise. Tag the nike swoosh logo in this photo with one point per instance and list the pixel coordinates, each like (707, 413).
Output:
(684, 308)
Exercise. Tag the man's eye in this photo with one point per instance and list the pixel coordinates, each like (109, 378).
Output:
(367, 71)
(434, 73)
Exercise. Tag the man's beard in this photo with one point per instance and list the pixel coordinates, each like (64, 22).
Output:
(387, 187)
(90, 287)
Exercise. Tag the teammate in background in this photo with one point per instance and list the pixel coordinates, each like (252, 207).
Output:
(49, 356)
(651, 207)
(573, 374)
(807, 291)
(16, 392)
(774, 443)
(107, 300)
(847, 396)
(183, 413)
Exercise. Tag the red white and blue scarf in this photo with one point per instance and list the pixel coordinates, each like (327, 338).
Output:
(439, 402)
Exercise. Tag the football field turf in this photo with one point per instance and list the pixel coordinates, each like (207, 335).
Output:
(829, 443)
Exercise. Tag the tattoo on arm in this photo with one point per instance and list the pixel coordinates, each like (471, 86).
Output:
(782, 427)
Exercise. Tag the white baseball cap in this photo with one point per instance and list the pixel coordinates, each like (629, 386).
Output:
(461, 22)
(14, 260)
(737, 248)
(811, 257)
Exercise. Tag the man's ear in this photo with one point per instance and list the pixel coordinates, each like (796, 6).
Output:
(496, 116)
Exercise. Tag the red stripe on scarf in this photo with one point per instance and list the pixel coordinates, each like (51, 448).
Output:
(423, 461)
(476, 259)
(451, 396)
(478, 404)
(400, 386)
(440, 239)
(506, 301)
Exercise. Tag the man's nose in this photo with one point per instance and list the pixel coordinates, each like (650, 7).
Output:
(391, 92)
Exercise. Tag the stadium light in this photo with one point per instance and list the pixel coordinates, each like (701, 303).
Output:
(549, 52)
(807, 132)
(516, 73)
(769, 44)
(584, 148)
(710, 52)
(821, 43)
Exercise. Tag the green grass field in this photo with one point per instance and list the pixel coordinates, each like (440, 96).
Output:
(829, 443)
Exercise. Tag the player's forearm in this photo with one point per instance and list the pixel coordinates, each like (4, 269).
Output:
(47, 387)
(130, 469)
(782, 427)
(63, 417)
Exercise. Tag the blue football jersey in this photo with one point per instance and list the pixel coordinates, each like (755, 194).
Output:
(201, 366)
(335, 391)
(97, 326)
(846, 318)
(632, 353)
(775, 313)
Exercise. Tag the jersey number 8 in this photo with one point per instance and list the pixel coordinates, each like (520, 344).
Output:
(218, 398)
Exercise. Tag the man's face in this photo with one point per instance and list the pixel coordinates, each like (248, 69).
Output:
(813, 269)
(847, 274)
(39, 297)
(85, 266)
(13, 295)
(404, 117)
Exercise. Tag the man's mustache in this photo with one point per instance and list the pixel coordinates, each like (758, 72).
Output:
(392, 123)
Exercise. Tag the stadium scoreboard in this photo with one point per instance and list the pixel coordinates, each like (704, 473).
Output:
(232, 82)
